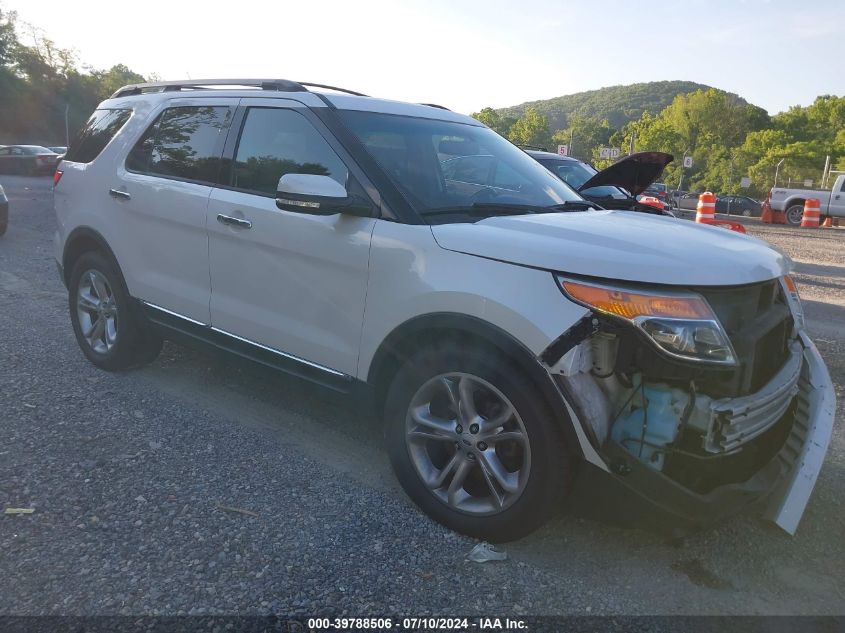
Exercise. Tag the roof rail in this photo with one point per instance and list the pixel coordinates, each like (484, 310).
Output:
(349, 92)
(434, 105)
(536, 148)
(281, 85)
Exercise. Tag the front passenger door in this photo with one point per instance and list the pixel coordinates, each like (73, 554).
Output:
(292, 282)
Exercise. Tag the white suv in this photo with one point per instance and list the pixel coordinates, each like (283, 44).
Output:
(506, 331)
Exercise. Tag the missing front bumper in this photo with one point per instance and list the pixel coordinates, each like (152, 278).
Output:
(623, 488)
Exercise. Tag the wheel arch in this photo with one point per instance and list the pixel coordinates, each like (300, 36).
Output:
(84, 239)
(792, 202)
(414, 334)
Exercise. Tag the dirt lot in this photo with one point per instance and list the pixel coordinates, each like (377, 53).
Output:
(128, 474)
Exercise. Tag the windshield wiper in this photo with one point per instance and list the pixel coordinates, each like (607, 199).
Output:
(575, 205)
(485, 209)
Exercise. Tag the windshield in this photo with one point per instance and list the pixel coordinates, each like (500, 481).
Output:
(575, 173)
(441, 165)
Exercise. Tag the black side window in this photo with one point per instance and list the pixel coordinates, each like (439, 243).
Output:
(184, 143)
(96, 134)
(275, 142)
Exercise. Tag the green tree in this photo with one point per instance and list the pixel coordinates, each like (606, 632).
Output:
(495, 121)
(532, 128)
(587, 136)
(42, 85)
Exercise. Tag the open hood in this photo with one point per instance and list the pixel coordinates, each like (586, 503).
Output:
(634, 172)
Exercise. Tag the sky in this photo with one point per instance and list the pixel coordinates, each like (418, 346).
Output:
(466, 54)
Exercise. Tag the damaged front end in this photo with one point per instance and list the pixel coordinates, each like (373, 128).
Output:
(695, 403)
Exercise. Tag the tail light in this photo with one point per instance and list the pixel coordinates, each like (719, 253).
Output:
(57, 176)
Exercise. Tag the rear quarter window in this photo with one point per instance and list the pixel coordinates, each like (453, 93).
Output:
(100, 129)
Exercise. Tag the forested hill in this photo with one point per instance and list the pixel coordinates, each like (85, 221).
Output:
(618, 104)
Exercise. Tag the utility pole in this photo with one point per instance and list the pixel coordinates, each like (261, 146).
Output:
(67, 132)
(571, 135)
(681, 181)
(826, 171)
(777, 169)
(631, 146)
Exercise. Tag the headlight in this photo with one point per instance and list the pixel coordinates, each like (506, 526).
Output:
(794, 301)
(680, 324)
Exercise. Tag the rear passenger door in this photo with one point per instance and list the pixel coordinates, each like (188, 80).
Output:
(162, 192)
(291, 282)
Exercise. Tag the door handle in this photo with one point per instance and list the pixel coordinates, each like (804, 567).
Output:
(117, 193)
(228, 220)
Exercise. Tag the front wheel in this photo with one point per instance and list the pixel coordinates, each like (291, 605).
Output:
(473, 444)
(110, 335)
(794, 214)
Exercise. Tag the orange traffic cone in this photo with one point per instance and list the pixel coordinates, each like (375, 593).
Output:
(766, 215)
(705, 211)
(812, 212)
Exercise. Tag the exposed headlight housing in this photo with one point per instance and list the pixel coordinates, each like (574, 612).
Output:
(680, 324)
(794, 301)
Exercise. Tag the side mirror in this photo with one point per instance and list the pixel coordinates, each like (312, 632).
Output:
(318, 195)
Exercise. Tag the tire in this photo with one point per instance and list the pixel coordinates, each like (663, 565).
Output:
(535, 468)
(794, 214)
(3, 227)
(746, 213)
(107, 328)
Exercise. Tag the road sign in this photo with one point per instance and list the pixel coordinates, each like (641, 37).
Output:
(563, 150)
(745, 182)
(808, 183)
(604, 152)
(614, 152)
(687, 162)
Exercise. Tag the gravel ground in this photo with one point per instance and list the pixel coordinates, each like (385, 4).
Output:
(130, 476)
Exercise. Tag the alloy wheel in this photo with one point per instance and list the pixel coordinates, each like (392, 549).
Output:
(468, 444)
(97, 311)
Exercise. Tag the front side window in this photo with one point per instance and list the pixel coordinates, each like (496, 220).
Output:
(184, 143)
(443, 166)
(275, 142)
(96, 134)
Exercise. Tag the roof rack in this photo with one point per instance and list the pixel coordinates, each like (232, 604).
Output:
(281, 85)
(434, 105)
(536, 148)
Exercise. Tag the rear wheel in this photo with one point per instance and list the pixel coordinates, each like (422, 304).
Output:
(110, 335)
(473, 444)
(794, 214)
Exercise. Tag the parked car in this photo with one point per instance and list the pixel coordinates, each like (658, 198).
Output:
(738, 205)
(660, 191)
(27, 159)
(60, 150)
(688, 201)
(616, 187)
(792, 201)
(4, 211)
(504, 332)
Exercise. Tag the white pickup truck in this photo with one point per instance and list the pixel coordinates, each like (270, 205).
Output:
(792, 201)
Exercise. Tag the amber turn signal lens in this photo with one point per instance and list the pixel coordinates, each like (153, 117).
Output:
(630, 305)
(790, 284)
